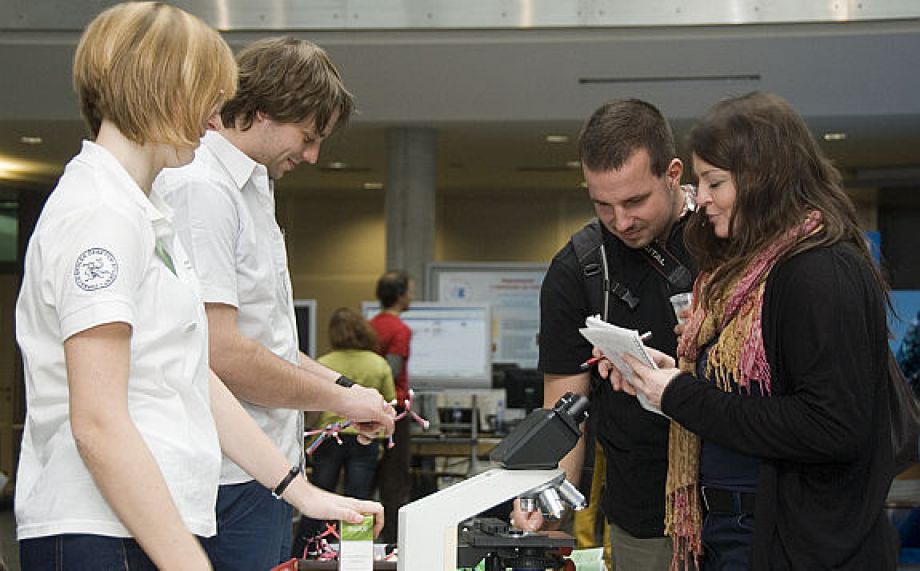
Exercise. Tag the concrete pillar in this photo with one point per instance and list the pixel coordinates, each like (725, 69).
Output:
(410, 201)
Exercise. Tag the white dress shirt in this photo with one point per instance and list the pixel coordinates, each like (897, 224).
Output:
(225, 216)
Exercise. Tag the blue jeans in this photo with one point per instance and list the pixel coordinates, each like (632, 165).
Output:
(253, 529)
(83, 552)
(727, 541)
(357, 460)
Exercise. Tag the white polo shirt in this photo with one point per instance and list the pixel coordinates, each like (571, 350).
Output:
(91, 260)
(225, 216)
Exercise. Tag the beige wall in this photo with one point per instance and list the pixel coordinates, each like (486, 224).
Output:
(337, 241)
(508, 226)
(336, 249)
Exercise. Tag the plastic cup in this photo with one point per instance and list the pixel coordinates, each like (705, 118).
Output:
(681, 302)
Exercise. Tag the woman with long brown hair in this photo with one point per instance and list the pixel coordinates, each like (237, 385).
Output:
(780, 456)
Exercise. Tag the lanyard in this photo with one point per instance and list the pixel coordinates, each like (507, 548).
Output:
(164, 255)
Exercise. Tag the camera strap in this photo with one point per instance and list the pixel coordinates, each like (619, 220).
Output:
(665, 263)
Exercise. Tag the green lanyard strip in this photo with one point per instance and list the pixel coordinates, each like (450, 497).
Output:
(164, 255)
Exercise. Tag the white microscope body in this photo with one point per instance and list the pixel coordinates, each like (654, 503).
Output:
(428, 527)
(530, 457)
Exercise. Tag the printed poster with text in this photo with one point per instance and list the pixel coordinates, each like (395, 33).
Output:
(515, 301)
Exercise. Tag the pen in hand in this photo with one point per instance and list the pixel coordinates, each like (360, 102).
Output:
(589, 363)
(593, 360)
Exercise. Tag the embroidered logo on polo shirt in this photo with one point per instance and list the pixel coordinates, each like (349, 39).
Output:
(96, 268)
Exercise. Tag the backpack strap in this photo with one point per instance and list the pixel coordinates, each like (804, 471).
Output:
(592, 257)
(591, 254)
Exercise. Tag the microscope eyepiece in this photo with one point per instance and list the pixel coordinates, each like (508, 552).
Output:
(573, 405)
(544, 437)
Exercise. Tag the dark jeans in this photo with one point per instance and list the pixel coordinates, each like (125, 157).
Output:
(253, 529)
(83, 552)
(393, 479)
(359, 463)
(357, 460)
(727, 541)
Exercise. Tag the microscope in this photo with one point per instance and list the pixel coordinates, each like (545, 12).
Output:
(528, 460)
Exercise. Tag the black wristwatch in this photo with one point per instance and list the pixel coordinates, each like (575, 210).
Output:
(344, 381)
(279, 489)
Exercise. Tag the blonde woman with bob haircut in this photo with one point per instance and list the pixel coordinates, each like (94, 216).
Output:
(121, 449)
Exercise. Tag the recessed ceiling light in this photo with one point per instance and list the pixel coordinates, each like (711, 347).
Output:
(373, 186)
(336, 165)
(30, 140)
(835, 136)
(573, 164)
(557, 138)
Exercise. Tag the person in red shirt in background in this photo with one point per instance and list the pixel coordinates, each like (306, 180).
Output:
(394, 291)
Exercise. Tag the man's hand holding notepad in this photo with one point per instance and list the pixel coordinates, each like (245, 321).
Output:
(614, 342)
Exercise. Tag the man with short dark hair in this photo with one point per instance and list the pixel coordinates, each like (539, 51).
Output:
(395, 291)
(290, 99)
(633, 176)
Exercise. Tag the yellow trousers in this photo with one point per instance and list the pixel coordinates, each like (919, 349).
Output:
(585, 526)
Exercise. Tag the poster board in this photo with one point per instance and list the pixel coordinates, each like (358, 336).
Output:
(512, 290)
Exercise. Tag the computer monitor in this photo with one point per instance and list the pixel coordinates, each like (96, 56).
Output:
(451, 344)
(524, 389)
(305, 316)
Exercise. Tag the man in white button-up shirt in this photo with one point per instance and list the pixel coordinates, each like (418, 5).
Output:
(290, 99)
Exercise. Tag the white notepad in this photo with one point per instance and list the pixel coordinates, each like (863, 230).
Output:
(614, 342)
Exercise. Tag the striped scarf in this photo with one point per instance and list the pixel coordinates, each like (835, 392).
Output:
(737, 355)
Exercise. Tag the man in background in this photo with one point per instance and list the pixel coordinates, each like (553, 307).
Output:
(395, 291)
(290, 99)
(624, 265)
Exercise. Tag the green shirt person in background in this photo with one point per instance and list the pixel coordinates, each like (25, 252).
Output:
(353, 342)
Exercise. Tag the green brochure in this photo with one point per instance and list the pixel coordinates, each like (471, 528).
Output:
(356, 550)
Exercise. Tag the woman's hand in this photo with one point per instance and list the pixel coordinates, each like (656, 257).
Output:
(607, 370)
(243, 441)
(682, 316)
(650, 382)
(317, 503)
(662, 360)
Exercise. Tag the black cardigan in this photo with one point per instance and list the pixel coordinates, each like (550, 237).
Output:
(823, 435)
